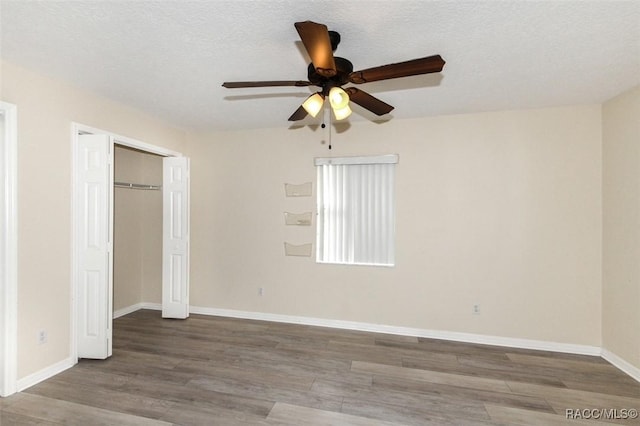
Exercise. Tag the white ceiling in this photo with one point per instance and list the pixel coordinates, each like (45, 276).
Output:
(169, 58)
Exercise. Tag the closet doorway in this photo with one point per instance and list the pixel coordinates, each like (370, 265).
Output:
(137, 230)
(109, 173)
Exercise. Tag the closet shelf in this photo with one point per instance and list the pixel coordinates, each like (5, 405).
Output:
(137, 186)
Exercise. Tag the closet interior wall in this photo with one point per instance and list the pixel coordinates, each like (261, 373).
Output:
(137, 259)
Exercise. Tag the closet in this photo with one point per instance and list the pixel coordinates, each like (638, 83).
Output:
(137, 230)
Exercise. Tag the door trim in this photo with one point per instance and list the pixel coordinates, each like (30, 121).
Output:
(77, 129)
(9, 252)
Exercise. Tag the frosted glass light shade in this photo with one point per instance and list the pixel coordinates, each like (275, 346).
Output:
(342, 113)
(313, 104)
(338, 98)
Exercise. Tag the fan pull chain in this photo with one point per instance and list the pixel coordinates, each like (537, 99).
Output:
(329, 114)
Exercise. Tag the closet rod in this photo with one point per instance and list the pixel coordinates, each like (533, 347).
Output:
(136, 186)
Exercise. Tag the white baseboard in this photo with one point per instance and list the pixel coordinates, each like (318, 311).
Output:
(44, 374)
(126, 311)
(406, 331)
(621, 364)
(130, 309)
(152, 306)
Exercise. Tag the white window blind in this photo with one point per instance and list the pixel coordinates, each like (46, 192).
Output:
(356, 210)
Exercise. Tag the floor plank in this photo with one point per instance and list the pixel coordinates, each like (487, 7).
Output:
(46, 410)
(460, 395)
(99, 398)
(398, 414)
(292, 414)
(453, 379)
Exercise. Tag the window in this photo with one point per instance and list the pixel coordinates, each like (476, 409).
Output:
(356, 210)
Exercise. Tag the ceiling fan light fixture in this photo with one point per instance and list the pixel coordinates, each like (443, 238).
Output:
(342, 113)
(313, 104)
(338, 98)
(329, 73)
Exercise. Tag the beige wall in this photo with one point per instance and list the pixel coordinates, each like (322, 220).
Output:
(500, 209)
(621, 226)
(137, 275)
(46, 109)
(151, 167)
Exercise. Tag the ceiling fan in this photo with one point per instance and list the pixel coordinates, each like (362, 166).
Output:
(330, 73)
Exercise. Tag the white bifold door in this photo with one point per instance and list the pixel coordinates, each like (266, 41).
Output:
(94, 243)
(175, 238)
(94, 237)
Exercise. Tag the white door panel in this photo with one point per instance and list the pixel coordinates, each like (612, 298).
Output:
(175, 244)
(95, 285)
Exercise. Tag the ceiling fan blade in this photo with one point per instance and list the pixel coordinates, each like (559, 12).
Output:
(315, 38)
(369, 102)
(427, 65)
(240, 84)
(299, 114)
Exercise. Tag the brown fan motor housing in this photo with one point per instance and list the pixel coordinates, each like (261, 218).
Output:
(344, 68)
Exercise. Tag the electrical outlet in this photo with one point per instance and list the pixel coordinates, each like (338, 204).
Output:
(261, 291)
(42, 337)
(476, 309)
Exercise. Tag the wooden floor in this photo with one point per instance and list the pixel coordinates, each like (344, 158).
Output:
(222, 371)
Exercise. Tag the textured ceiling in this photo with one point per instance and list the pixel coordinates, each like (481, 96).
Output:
(169, 57)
